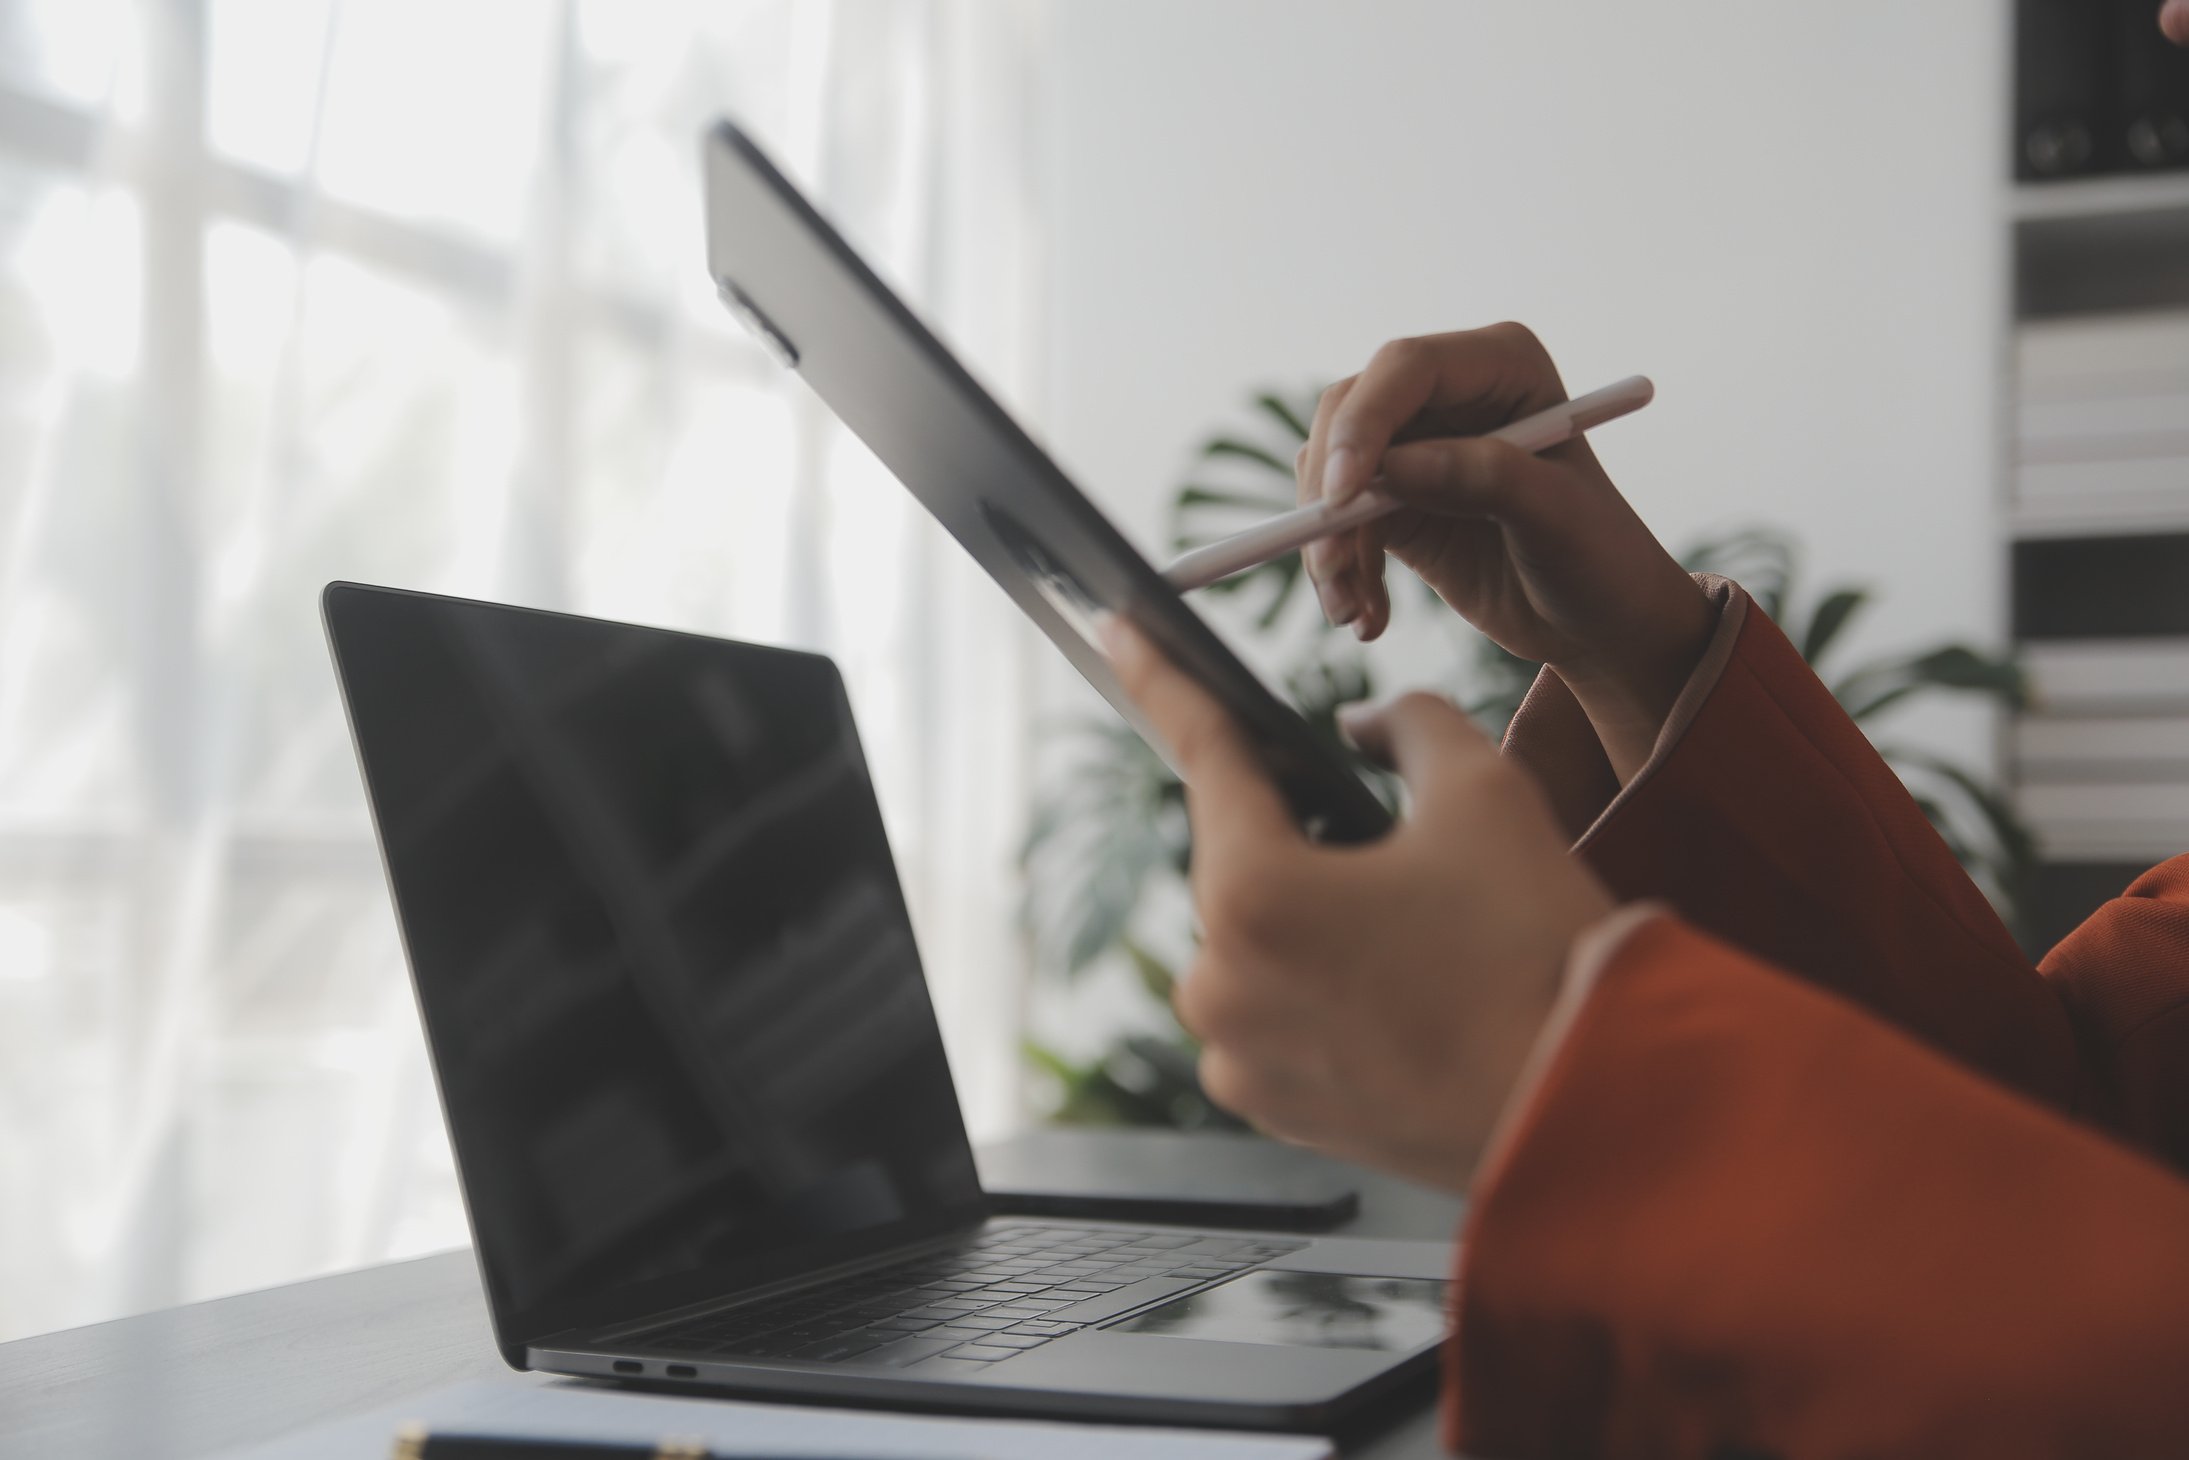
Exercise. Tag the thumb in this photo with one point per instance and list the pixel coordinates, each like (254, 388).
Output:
(1426, 738)
(1469, 476)
(2174, 20)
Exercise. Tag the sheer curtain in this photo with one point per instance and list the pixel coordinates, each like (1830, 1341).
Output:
(411, 291)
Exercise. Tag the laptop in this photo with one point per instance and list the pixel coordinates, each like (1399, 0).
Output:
(793, 281)
(705, 1130)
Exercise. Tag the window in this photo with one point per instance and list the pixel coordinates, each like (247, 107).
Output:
(410, 292)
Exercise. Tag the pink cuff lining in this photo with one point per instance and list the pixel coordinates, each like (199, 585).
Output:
(1551, 735)
(1733, 602)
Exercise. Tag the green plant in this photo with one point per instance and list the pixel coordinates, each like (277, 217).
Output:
(1106, 853)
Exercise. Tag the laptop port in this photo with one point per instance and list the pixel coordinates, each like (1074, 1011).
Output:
(683, 1371)
(629, 1366)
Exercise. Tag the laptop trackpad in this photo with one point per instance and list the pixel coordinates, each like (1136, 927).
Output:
(1305, 1310)
(1272, 1337)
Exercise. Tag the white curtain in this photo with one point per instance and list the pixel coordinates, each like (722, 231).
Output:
(411, 292)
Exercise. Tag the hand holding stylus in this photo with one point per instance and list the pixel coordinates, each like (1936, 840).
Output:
(1550, 427)
(1540, 552)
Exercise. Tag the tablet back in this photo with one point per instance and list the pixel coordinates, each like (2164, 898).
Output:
(795, 282)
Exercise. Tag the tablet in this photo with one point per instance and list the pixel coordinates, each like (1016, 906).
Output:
(787, 274)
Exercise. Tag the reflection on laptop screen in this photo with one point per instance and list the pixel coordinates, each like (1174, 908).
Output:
(675, 1008)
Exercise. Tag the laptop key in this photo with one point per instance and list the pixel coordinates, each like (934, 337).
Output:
(907, 1351)
(988, 1353)
(942, 1366)
(831, 1350)
(1042, 1327)
(1008, 1339)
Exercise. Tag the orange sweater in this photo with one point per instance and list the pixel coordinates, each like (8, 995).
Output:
(1820, 1166)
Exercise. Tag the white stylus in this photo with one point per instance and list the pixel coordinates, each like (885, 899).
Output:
(1290, 530)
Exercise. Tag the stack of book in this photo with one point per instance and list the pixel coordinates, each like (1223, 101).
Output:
(2102, 423)
(2101, 585)
(2102, 765)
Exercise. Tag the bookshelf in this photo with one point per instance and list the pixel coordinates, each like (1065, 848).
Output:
(2095, 507)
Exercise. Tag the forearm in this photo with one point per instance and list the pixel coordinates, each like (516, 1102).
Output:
(1628, 692)
(1765, 817)
(1729, 1211)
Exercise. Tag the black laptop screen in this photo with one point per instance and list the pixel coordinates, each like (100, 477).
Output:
(680, 1028)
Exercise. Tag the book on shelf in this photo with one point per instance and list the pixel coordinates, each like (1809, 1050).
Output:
(2085, 817)
(2149, 128)
(2131, 422)
(2097, 88)
(2130, 585)
(2161, 477)
(2063, 87)
(2119, 746)
(2101, 431)
(2068, 676)
(2101, 354)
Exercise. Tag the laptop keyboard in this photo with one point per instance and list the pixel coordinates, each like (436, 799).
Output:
(1010, 1290)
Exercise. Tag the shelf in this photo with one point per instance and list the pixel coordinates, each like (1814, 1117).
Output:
(2102, 198)
(2099, 515)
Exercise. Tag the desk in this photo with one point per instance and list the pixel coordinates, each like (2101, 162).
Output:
(238, 1370)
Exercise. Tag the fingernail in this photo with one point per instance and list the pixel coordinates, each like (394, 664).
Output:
(1109, 633)
(1340, 605)
(1360, 629)
(1352, 717)
(1339, 469)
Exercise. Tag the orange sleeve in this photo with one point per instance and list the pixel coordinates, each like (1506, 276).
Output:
(1765, 817)
(2123, 977)
(1734, 1214)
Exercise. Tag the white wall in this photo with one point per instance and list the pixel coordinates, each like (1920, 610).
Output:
(1786, 214)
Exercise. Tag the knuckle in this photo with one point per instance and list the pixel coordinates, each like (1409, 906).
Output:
(1242, 907)
(1487, 462)
(1419, 704)
(1402, 355)
(1518, 337)
(1333, 396)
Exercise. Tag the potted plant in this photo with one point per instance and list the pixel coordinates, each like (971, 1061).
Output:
(1106, 852)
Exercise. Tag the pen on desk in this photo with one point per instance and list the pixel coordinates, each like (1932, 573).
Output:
(414, 1443)
(1291, 530)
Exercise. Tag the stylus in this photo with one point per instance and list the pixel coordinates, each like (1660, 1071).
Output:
(1282, 534)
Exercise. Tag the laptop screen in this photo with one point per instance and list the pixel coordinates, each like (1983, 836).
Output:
(680, 1028)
